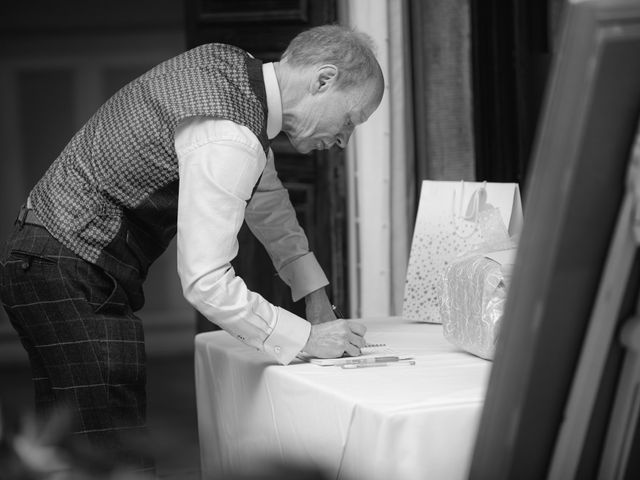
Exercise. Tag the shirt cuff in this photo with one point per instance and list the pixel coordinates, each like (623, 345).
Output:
(303, 275)
(288, 337)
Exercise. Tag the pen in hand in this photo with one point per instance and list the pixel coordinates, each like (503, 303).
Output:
(338, 314)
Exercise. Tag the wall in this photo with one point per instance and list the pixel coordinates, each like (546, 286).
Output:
(58, 62)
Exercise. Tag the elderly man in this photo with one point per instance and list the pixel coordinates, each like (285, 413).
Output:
(182, 149)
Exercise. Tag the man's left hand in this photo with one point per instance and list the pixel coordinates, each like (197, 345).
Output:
(319, 308)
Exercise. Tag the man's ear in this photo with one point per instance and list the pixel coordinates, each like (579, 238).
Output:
(326, 75)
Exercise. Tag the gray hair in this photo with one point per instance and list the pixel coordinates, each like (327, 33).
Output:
(346, 48)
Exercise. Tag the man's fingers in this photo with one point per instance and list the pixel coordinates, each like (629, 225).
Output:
(332, 339)
(352, 350)
(357, 327)
(356, 340)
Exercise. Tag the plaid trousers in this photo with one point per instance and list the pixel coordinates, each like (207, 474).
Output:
(85, 345)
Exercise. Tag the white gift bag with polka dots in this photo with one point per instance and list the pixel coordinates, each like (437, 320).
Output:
(454, 218)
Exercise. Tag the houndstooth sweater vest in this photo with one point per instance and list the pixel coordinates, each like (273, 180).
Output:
(112, 194)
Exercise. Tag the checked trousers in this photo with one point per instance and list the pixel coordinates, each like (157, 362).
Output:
(85, 345)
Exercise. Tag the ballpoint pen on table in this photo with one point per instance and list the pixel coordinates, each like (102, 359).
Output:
(382, 359)
(379, 364)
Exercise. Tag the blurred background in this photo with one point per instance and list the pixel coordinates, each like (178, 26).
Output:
(464, 84)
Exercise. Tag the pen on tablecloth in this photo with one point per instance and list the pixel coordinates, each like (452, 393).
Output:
(389, 358)
(336, 312)
(379, 364)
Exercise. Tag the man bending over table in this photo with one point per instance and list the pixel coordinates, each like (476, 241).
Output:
(182, 149)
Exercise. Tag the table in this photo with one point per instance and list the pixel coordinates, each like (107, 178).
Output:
(399, 422)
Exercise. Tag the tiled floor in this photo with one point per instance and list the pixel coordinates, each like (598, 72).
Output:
(171, 411)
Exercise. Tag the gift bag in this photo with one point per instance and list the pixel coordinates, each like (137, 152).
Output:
(454, 218)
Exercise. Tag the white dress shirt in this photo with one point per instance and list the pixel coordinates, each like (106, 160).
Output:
(220, 162)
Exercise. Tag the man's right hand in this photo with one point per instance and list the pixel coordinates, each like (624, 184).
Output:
(335, 338)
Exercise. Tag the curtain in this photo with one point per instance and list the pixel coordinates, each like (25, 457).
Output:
(403, 186)
(422, 130)
(380, 166)
(440, 31)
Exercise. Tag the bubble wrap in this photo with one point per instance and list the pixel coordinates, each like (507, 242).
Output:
(473, 296)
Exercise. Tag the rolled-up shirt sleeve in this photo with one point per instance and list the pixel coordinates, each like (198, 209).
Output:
(272, 219)
(219, 164)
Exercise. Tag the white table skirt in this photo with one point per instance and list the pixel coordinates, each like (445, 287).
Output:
(400, 422)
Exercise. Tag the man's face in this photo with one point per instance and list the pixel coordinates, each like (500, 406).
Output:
(328, 117)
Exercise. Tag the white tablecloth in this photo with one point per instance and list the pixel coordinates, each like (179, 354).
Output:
(400, 422)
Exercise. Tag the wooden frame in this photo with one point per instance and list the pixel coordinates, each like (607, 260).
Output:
(210, 11)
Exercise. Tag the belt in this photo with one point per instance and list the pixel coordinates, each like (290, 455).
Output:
(28, 216)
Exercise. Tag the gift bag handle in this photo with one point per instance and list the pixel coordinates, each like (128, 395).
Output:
(476, 204)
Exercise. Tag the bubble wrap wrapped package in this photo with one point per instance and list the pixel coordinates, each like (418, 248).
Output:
(473, 297)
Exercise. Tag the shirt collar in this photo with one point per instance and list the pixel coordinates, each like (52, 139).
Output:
(274, 101)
